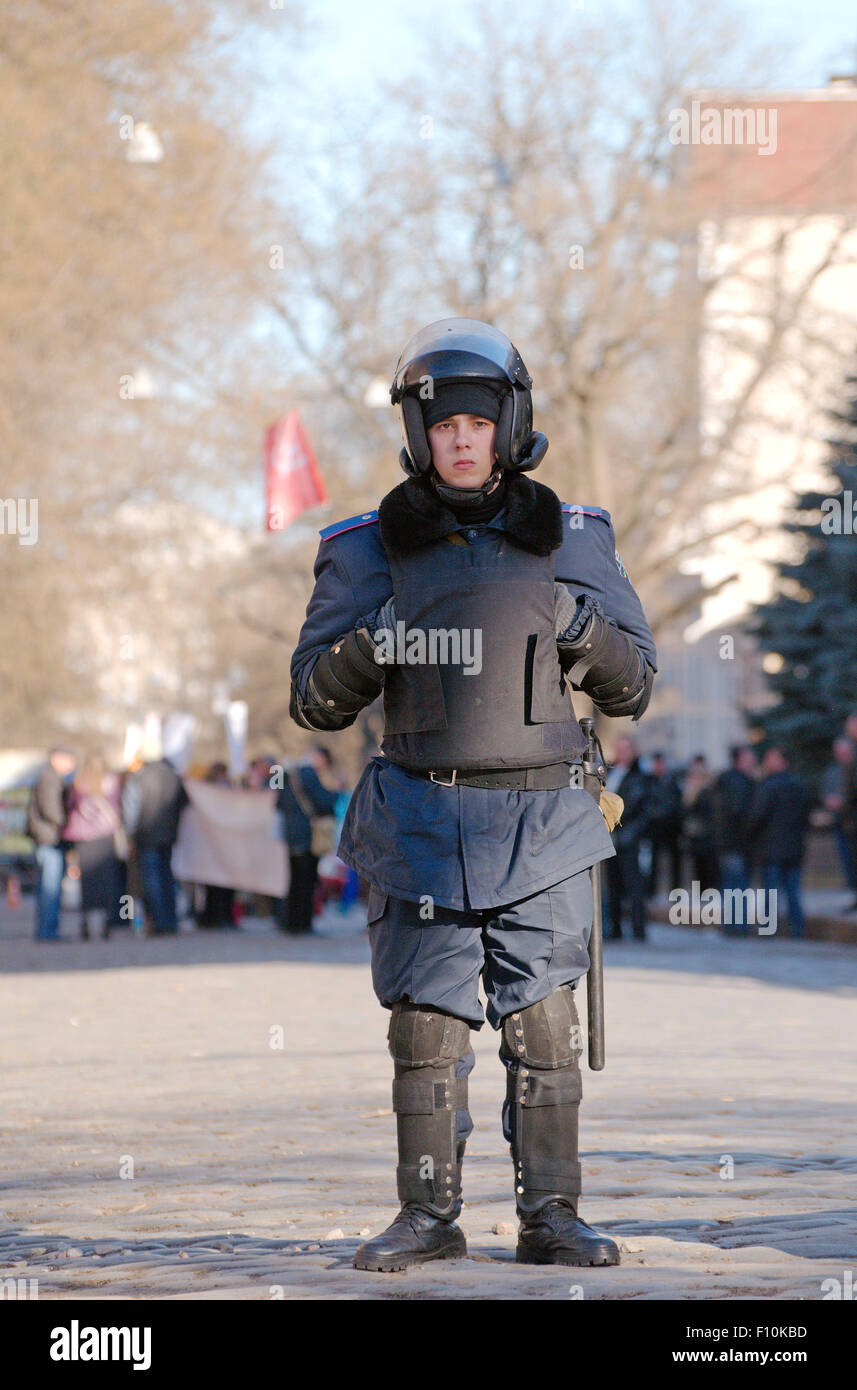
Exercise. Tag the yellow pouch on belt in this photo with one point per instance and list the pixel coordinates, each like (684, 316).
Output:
(612, 807)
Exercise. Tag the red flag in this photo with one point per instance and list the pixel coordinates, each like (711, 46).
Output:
(292, 475)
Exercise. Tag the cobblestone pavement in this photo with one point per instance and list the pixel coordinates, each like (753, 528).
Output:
(161, 1144)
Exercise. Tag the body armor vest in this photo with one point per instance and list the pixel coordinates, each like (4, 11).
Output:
(476, 682)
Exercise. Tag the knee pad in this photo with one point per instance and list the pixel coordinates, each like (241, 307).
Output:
(421, 1036)
(547, 1035)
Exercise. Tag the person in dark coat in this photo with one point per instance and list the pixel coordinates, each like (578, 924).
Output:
(466, 599)
(698, 823)
(301, 800)
(93, 825)
(624, 878)
(153, 800)
(731, 808)
(259, 778)
(839, 795)
(778, 829)
(46, 818)
(664, 827)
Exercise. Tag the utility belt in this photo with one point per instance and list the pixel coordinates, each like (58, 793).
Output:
(513, 779)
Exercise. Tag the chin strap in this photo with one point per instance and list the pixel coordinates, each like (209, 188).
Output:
(466, 496)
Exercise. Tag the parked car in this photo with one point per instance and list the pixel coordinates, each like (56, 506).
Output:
(18, 773)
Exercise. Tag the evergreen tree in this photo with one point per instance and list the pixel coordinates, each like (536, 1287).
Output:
(811, 623)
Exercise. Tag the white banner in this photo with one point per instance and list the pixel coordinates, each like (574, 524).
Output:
(178, 731)
(228, 838)
(235, 720)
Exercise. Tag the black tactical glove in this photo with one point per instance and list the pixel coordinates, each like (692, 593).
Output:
(599, 659)
(342, 682)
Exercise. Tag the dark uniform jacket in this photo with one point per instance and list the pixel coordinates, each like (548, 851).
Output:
(732, 802)
(152, 801)
(469, 847)
(665, 803)
(780, 818)
(848, 814)
(637, 793)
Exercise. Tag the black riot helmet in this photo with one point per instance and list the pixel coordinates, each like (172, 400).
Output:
(466, 351)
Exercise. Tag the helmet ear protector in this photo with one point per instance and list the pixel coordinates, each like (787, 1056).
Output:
(415, 458)
(466, 350)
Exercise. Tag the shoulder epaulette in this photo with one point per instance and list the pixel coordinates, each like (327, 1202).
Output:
(336, 528)
(574, 507)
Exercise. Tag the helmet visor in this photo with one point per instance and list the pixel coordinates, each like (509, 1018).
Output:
(458, 350)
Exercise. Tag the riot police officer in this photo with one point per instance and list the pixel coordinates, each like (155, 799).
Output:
(467, 599)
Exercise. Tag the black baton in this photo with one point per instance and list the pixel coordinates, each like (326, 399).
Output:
(594, 772)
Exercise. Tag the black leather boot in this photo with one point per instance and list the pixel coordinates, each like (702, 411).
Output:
(540, 1050)
(415, 1237)
(555, 1235)
(427, 1046)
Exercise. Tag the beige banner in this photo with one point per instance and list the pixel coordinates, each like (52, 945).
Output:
(230, 838)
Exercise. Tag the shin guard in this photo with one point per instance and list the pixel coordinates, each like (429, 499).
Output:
(540, 1050)
(426, 1046)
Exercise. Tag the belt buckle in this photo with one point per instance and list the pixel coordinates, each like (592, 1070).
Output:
(440, 783)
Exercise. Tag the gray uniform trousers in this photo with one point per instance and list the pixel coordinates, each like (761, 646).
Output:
(522, 952)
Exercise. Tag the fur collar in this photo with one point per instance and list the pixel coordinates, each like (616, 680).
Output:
(413, 515)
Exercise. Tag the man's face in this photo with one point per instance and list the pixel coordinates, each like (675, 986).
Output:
(63, 763)
(625, 751)
(747, 761)
(462, 450)
(773, 761)
(319, 761)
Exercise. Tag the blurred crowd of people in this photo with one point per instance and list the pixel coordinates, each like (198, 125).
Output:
(726, 829)
(115, 833)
